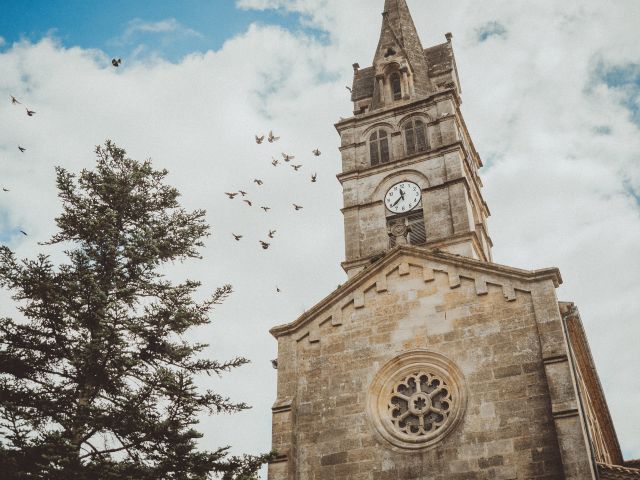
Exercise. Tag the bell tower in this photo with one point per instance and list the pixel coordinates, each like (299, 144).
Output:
(431, 362)
(407, 129)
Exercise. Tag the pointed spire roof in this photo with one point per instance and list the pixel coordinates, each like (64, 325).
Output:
(398, 30)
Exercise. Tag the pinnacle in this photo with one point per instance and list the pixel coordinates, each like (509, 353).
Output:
(399, 29)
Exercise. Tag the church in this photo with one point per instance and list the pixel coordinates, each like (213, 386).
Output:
(432, 362)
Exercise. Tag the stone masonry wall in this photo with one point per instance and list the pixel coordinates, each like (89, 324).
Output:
(508, 429)
(452, 200)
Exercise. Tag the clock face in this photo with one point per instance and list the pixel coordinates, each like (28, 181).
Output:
(402, 197)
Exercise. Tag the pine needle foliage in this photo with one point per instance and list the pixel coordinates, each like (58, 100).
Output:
(97, 380)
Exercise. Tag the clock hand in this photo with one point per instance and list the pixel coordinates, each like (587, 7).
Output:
(398, 200)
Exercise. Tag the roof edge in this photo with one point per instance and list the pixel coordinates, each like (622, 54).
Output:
(621, 471)
(552, 273)
(579, 345)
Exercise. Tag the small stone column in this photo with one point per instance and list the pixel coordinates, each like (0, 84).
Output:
(380, 79)
(405, 84)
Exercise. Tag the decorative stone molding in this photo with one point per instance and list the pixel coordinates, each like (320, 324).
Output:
(356, 292)
(282, 405)
(379, 285)
(416, 399)
(615, 472)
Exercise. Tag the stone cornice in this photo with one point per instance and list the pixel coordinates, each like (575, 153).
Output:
(397, 109)
(397, 133)
(435, 245)
(396, 164)
(451, 263)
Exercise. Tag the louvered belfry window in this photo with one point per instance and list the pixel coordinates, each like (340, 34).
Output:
(379, 147)
(418, 234)
(415, 134)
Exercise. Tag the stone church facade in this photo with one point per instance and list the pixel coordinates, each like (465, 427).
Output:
(432, 362)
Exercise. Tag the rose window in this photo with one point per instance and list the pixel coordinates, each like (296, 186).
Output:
(420, 404)
(416, 399)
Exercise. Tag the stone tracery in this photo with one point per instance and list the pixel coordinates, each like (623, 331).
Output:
(420, 404)
(416, 399)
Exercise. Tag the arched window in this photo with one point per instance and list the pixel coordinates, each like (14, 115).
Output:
(379, 147)
(415, 136)
(396, 89)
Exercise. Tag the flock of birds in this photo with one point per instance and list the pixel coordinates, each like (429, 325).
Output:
(30, 113)
(14, 101)
(287, 159)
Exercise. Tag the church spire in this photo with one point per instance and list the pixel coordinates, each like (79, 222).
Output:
(399, 40)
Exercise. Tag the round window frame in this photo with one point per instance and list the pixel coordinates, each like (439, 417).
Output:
(393, 372)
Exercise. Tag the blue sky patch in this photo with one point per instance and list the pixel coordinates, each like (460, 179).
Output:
(602, 130)
(118, 27)
(625, 79)
(490, 29)
(631, 191)
(8, 232)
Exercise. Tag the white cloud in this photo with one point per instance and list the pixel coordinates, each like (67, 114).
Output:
(169, 29)
(260, 4)
(559, 144)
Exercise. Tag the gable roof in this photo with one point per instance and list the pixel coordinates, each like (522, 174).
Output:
(393, 256)
(440, 59)
(364, 81)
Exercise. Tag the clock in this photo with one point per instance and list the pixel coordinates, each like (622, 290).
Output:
(402, 197)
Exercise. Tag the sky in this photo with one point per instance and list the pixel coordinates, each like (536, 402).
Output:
(551, 96)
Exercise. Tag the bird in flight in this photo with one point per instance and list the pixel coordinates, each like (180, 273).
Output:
(272, 138)
(296, 167)
(248, 202)
(277, 291)
(258, 181)
(349, 88)
(317, 152)
(297, 207)
(265, 245)
(259, 140)
(244, 194)
(14, 100)
(287, 157)
(230, 195)
(237, 237)
(275, 162)
(24, 233)
(22, 149)
(266, 209)
(116, 62)
(5, 189)
(31, 113)
(271, 233)
(314, 178)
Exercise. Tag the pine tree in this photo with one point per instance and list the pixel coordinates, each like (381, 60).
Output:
(97, 380)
